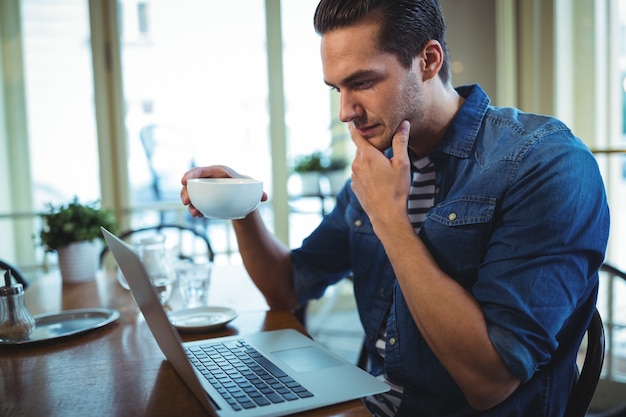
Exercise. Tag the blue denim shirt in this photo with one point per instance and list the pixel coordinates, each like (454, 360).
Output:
(520, 220)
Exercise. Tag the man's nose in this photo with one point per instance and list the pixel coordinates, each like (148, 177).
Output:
(349, 108)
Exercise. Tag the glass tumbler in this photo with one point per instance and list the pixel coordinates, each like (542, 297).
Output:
(156, 260)
(193, 283)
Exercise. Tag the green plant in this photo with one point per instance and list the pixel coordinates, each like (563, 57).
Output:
(309, 163)
(74, 222)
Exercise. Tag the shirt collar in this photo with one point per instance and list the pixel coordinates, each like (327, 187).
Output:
(461, 135)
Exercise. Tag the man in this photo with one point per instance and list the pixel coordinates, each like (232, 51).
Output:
(473, 233)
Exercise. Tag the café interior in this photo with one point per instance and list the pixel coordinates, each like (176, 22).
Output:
(111, 101)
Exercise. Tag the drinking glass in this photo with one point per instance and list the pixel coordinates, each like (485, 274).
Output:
(193, 283)
(156, 260)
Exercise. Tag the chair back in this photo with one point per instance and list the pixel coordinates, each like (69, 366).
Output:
(618, 410)
(613, 271)
(15, 272)
(583, 391)
(185, 242)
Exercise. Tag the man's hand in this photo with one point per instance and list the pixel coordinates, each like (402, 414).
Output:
(381, 184)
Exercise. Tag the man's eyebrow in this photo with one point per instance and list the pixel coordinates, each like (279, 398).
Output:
(355, 76)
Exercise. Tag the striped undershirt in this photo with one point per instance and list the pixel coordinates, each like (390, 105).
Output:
(422, 192)
(421, 200)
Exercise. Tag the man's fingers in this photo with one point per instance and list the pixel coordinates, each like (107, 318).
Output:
(358, 140)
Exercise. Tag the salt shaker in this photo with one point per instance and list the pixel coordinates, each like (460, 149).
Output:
(16, 321)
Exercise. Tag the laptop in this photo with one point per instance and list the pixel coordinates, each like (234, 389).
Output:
(271, 373)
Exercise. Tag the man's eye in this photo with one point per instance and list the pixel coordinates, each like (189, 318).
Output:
(361, 85)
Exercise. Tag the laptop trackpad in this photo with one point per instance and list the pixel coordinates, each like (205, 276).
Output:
(307, 359)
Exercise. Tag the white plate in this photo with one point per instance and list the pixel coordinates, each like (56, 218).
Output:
(202, 319)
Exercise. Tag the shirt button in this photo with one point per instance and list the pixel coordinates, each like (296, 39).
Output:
(437, 190)
(392, 341)
(358, 223)
(452, 216)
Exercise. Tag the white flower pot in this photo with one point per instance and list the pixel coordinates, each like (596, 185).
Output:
(78, 262)
(310, 183)
(336, 180)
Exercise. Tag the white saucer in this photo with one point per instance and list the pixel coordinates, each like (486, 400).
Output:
(202, 319)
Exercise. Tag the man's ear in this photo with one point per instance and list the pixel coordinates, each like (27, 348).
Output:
(431, 59)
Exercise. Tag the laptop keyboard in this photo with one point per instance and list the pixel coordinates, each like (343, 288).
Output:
(244, 377)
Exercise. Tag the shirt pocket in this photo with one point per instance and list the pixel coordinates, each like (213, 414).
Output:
(457, 233)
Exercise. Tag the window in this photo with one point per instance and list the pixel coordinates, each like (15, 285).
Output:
(60, 102)
(612, 297)
(188, 65)
(194, 74)
(308, 113)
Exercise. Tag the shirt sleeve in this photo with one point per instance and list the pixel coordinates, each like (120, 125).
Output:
(542, 258)
(323, 259)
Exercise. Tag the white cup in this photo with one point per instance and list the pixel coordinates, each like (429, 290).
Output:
(225, 198)
(193, 283)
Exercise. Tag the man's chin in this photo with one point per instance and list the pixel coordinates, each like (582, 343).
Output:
(381, 144)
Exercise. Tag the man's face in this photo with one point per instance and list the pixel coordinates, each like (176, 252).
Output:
(377, 92)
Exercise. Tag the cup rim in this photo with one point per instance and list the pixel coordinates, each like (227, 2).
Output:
(227, 181)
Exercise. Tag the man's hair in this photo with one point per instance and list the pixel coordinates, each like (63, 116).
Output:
(405, 25)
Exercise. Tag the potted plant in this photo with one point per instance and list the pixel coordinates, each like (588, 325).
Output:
(309, 168)
(72, 230)
(309, 163)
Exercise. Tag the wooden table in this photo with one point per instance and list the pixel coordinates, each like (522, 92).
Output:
(118, 370)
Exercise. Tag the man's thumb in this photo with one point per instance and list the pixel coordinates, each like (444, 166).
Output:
(400, 141)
